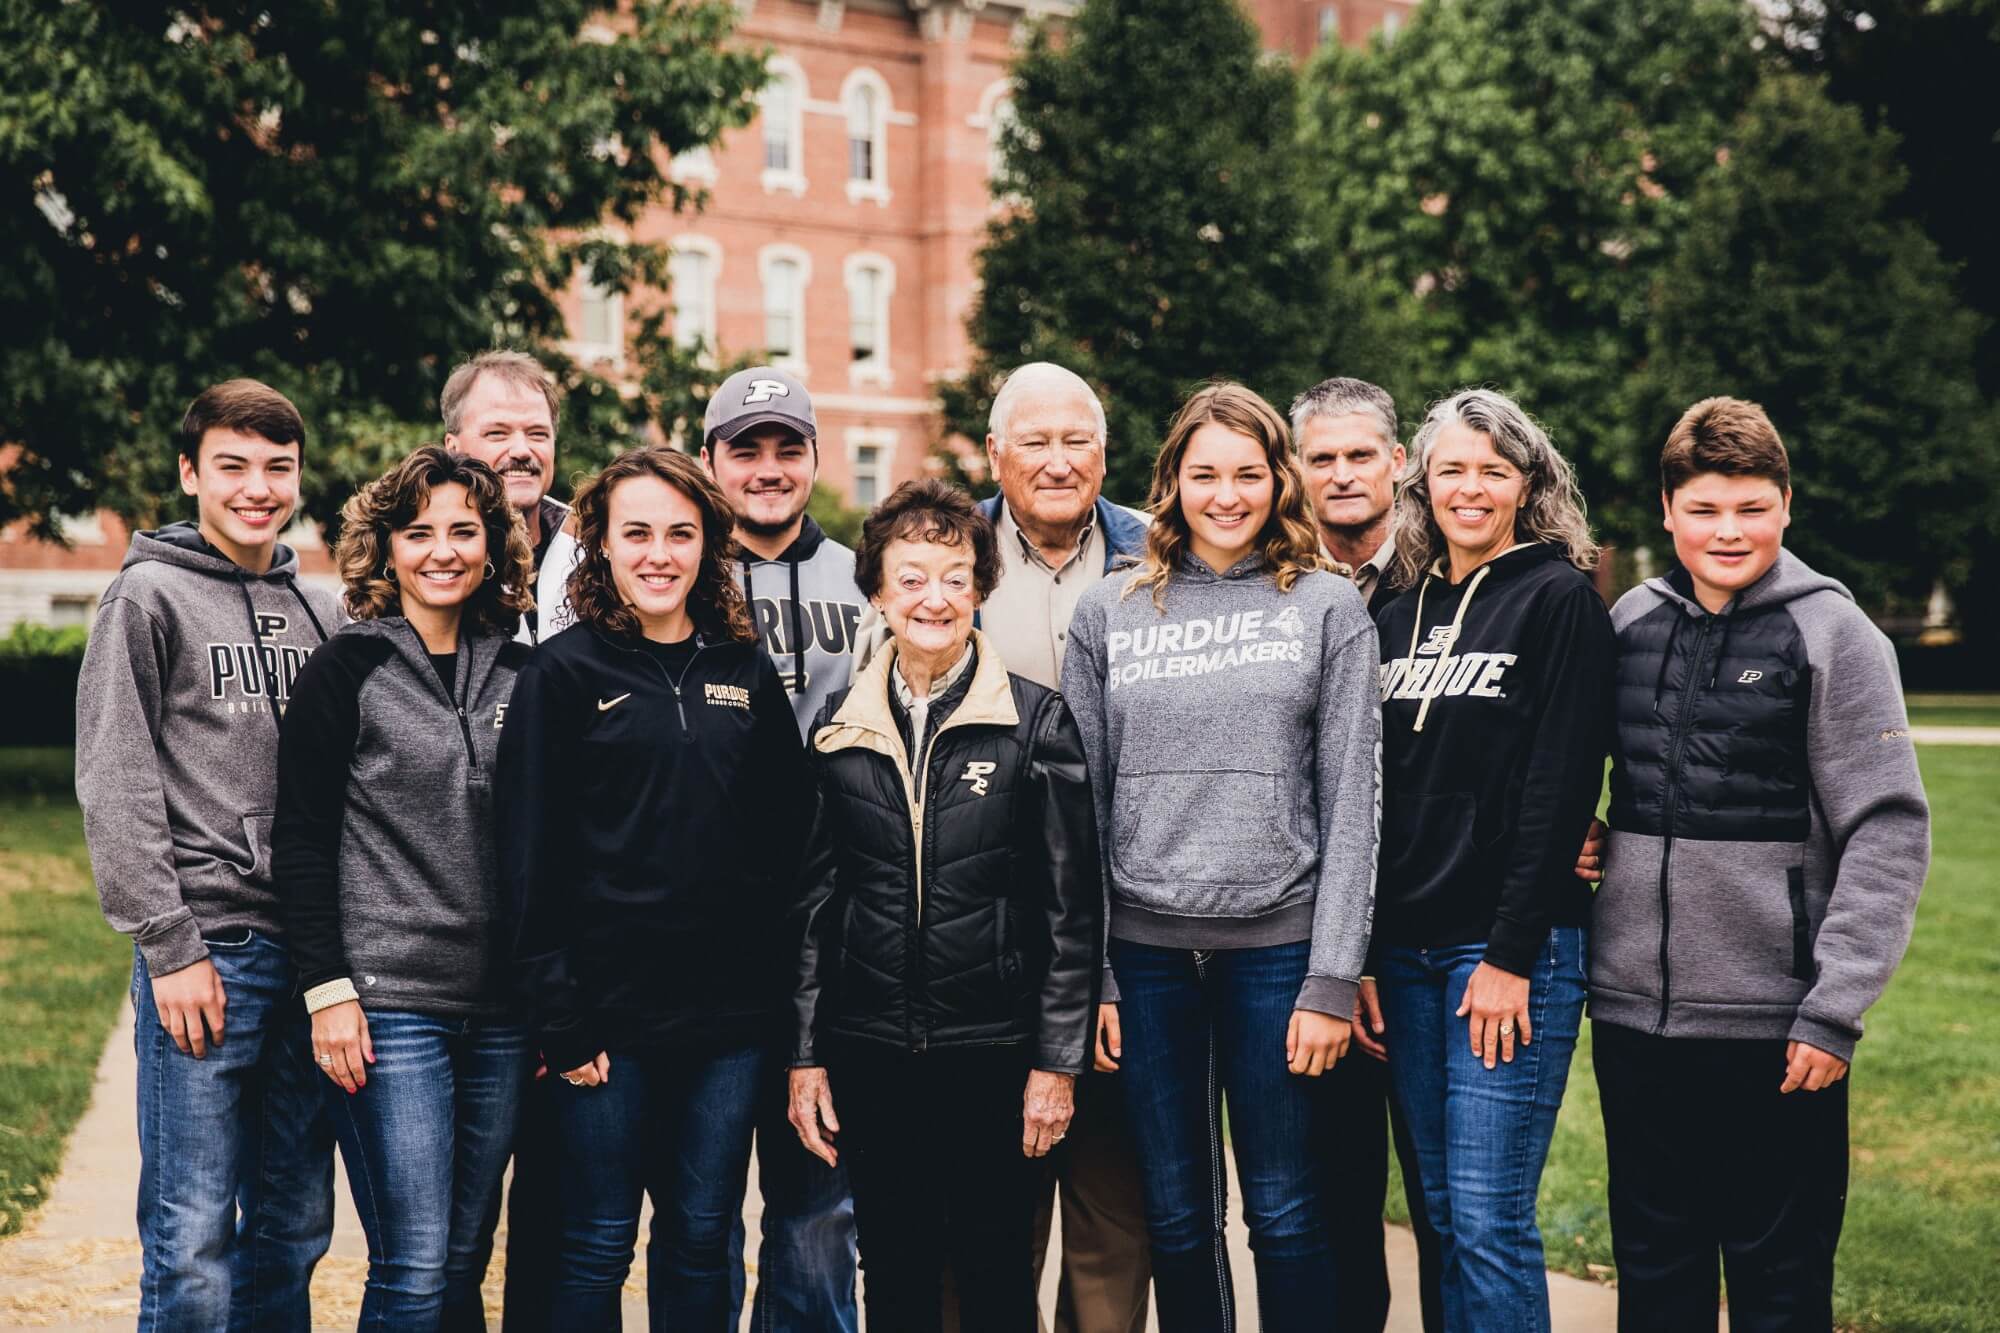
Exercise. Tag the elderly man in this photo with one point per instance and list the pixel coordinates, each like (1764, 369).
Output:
(502, 408)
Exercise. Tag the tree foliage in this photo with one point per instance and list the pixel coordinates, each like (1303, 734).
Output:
(1799, 285)
(1525, 169)
(1154, 232)
(341, 199)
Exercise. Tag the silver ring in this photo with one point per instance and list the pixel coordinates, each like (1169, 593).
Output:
(572, 1080)
(1506, 1029)
(326, 1059)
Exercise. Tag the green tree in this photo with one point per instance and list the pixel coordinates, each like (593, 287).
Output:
(1154, 232)
(340, 199)
(1801, 287)
(1524, 169)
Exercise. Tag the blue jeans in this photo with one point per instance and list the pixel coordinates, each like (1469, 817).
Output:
(1199, 1026)
(675, 1125)
(425, 1142)
(236, 1155)
(1482, 1135)
(805, 1264)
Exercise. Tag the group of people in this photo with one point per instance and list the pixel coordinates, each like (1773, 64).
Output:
(983, 868)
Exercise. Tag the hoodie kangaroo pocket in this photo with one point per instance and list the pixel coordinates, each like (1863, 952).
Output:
(1738, 931)
(1219, 827)
(257, 840)
(1427, 843)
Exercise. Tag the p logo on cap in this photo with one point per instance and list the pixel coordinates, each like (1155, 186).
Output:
(763, 391)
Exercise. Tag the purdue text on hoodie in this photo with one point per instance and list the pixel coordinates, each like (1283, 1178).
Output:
(1232, 742)
(806, 607)
(1769, 827)
(1496, 713)
(187, 671)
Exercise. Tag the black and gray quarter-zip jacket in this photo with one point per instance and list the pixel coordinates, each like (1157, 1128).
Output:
(186, 675)
(386, 871)
(806, 608)
(1496, 715)
(655, 807)
(1769, 828)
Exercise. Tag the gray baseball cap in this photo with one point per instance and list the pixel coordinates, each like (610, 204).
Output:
(759, 396)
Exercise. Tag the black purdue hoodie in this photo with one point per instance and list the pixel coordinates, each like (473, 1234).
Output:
(1496, 717)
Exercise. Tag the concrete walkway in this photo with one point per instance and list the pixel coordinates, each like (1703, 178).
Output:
(1955, 735)
(76, 1266)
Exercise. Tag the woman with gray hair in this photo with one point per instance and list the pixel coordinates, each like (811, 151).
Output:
(1496, 707)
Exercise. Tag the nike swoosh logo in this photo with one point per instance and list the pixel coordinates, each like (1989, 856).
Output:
(606, 705)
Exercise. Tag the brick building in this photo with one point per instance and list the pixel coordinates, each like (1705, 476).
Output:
(839, 234)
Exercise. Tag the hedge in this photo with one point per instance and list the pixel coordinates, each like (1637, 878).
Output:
(38, 671)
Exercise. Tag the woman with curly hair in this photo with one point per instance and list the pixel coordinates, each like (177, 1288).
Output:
(1225, 691)
(387, 880)
(656, 808)
(1496, 682)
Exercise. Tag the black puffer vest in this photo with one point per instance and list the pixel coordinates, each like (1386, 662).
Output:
(965, 910)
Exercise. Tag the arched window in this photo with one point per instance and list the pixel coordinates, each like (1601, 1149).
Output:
(782, 115)
(863, 124)
(599, 334)
(694, 268)
(871, 279)
(786, 270)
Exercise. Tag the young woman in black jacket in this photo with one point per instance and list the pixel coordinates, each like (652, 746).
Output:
(656, 805)
(946, 985)
(387, 880)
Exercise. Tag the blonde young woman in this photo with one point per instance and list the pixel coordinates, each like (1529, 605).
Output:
(1225, 691)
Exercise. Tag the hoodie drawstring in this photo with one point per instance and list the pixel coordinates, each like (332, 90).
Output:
(257, 642)
(798, 634)
(1443, 670)
(1660, 680)
(306, 606)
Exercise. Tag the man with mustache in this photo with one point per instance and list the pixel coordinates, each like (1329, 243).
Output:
(501, 407)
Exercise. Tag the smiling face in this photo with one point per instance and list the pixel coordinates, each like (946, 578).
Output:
(1475, 494)
(766, 474)
(245, 490)
(928, 597)
(440, 556)
(1051, 465)
(654, 544)
(506, 425)
(1727, 531)
(1350, 470)
(1226, 493)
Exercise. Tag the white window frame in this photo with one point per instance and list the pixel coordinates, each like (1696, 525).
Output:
(882, 439)
(1326, 29)
(875, 188)
(685, 336)
(768, 259)
(590, 351)
(791, 179)
(872, 371)
(696, 166)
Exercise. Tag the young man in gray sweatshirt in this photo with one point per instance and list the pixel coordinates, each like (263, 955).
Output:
(1769, 836)
(196, 645)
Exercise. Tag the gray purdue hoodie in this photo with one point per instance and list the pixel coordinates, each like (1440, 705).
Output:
(1235, 743)
(188, 668)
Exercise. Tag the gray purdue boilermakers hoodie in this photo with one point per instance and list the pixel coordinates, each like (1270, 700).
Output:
(1235, 743)
(177, 738)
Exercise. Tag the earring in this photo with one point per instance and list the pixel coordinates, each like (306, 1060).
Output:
(388, 573)
(489, 569)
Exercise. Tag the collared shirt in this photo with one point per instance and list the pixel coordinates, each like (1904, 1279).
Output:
(1027, 617)
(919, 710)
(1368, 575)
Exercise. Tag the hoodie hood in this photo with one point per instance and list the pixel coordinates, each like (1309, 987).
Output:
(1785, 581)
(182, 545)
(806, 610)
(804, 546)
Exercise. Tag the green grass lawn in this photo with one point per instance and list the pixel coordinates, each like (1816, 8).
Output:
(63, 974)
(1955, 710)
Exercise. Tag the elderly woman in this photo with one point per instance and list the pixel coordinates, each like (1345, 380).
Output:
(947, 976)
(1496, 709)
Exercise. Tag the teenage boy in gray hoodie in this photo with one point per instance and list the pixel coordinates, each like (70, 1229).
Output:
(1769, 838)
(194, 651)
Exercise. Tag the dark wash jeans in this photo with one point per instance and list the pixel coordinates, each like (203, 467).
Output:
(1199, 1026)
(1482, 1135)
(675, 1125)
(1707, 1157)
(805, 1261)
(932, 1142)
(425, 1143)
(236, 1153)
